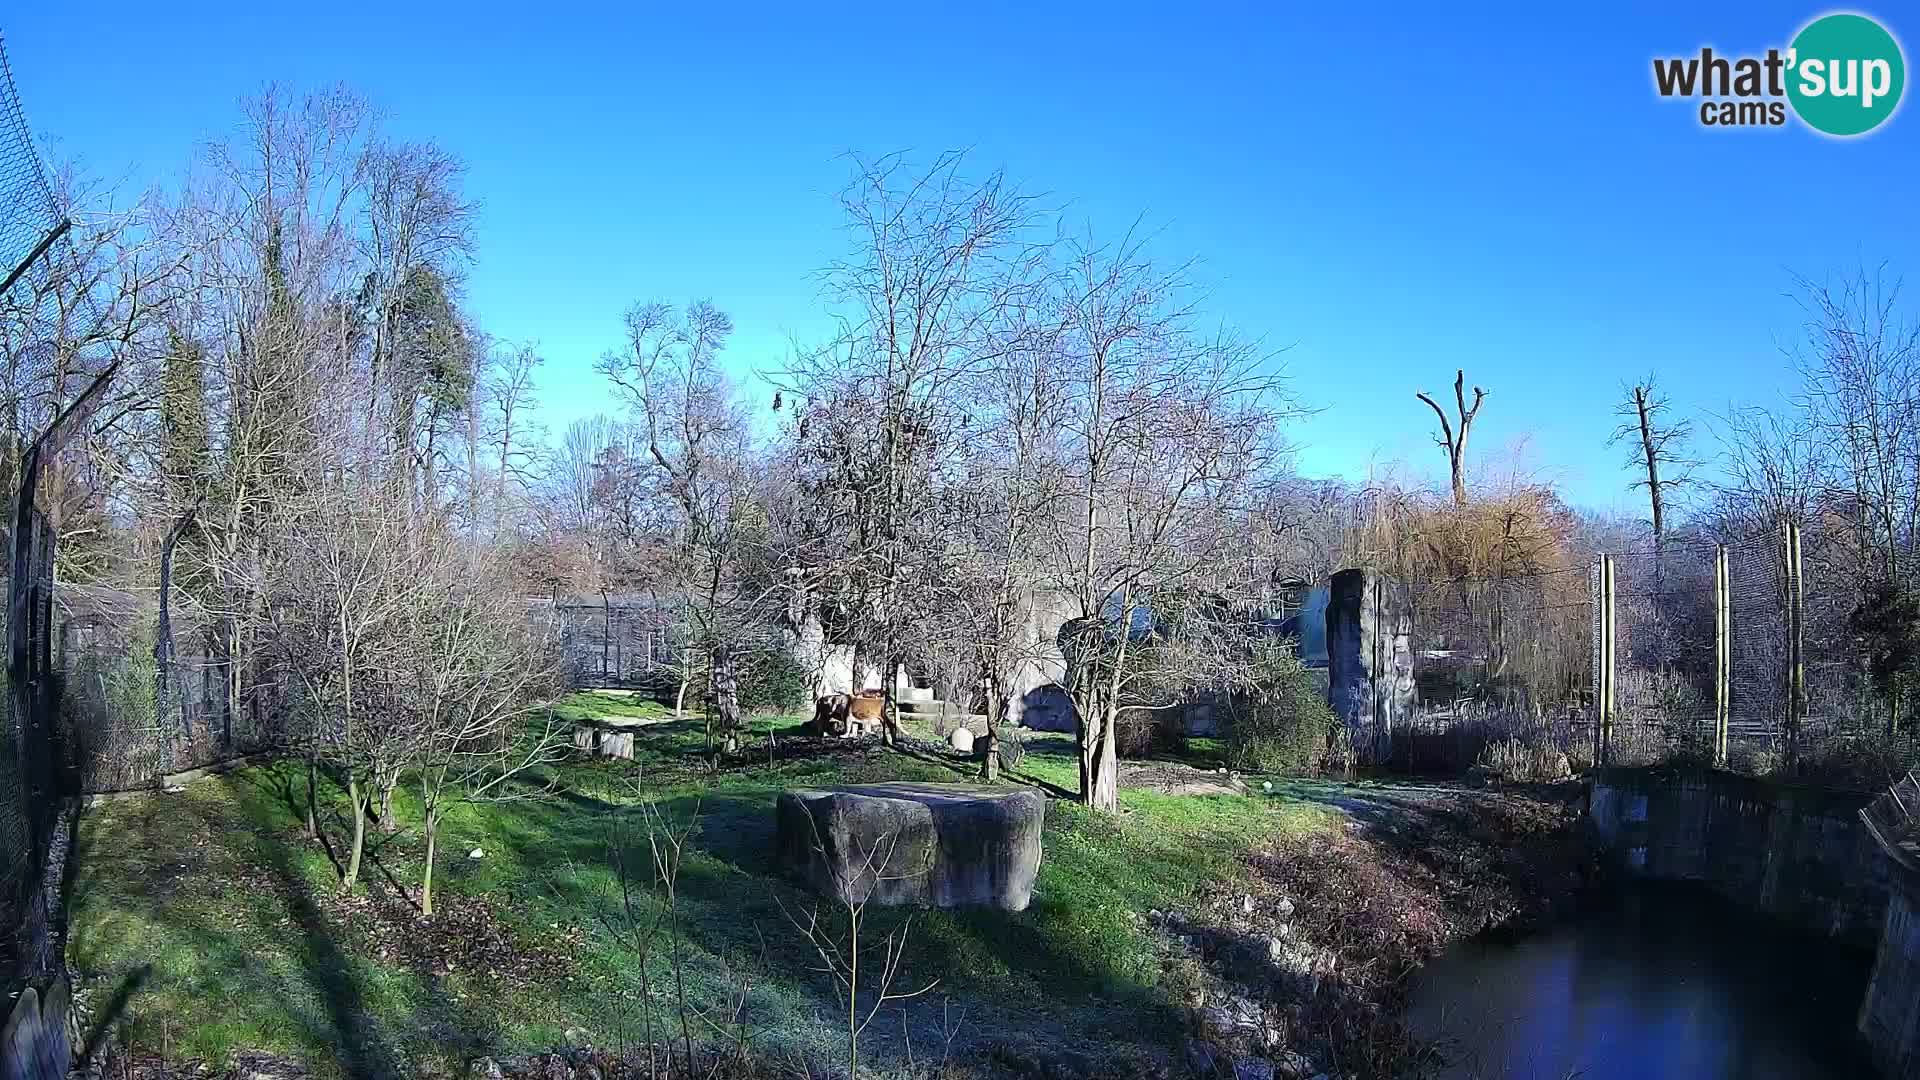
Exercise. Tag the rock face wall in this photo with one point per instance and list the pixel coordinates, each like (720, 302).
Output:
(831, 666)
(1369, 658)
(1037, 701)
(1798, 854)
(1890, 1015)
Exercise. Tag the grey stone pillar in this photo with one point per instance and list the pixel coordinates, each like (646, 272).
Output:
(1369, 659)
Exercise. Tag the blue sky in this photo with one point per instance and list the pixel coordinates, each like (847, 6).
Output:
(1390, 194)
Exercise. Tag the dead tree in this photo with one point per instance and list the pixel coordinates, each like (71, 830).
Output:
(1657, 448)
(1456, 445)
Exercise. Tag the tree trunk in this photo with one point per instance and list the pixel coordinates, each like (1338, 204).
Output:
(1104, 794)
(389, 779)
(726, 697)
(426, 876)
(359, 802)
(1648, 450)
(313, 808)
(686, 677)
(890, 709)
(990, 760)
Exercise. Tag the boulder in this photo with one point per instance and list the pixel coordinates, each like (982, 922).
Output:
(938, 845)
(961, 740)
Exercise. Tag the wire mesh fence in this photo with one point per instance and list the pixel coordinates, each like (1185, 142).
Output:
(1756, 665)
(32, 839)
(620, 641)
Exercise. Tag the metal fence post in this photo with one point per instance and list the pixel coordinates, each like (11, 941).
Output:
(1722, 654)
(1796, 644)
(1604, 693)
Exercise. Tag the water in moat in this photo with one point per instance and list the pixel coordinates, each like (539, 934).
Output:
(1655, 982)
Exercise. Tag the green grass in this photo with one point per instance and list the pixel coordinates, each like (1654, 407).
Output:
(593, 704)
(221, 921)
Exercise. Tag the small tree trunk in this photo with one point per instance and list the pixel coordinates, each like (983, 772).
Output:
(726, 697)
(1104, 794)
(426, 876)
(686, 677)
(990, 761)
(384, 816)
(359, 801)
(313, 799)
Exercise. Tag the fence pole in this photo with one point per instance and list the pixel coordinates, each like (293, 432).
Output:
(1722, 655)
(1796, 644)
(1603, 752)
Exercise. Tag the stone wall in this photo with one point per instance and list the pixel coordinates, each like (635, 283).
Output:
(1799, 854)
(1890, 1015)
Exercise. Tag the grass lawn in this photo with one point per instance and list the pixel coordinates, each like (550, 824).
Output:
(206, 923)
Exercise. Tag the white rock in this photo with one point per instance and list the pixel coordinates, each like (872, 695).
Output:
(476, 853)
(961, 740)
(1266, 785)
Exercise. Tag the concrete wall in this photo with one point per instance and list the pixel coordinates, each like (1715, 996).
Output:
(1890, 1015)
(1798, 854)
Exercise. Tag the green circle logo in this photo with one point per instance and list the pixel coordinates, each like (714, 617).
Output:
(1845, 74)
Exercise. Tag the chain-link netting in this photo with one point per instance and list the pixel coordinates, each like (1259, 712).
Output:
(1663, 623)
(52, 366)
(1840, 702)
(1757, 599)
(28, 216)
(129, 721)
(1500, 659)
(625, 642)
(1796, 685)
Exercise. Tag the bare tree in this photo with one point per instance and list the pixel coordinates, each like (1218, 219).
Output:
(477, 673)
(1164, 432)
(937, 262)
(1659, 448)
(1452, 442)
(695, 437)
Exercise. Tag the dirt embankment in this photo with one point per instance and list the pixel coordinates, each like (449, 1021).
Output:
(1301, 967)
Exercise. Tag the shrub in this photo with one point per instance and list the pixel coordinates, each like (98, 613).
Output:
(1140, 732)
(773, 681)
(1281, 724)
(1525, 761)
(1012, 747)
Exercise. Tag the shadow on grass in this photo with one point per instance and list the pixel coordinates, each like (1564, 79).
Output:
(365, 1052)
(113, 1010)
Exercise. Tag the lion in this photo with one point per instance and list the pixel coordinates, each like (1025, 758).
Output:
(849, 715)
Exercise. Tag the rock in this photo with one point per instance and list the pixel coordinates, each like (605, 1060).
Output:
(1203, 1057)
(961, 740)
(1233, 1019)
(1252, 1068)
(486, 1069)
(1246, 903)
(476, 853)
(944, 845)
(1283, 907)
